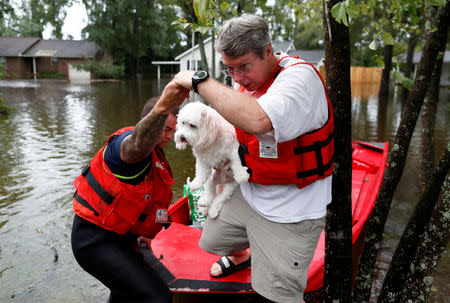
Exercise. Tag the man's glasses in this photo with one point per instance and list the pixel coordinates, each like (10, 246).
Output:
(243, 69)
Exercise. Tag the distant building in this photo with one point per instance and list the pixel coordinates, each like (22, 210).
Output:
(26, 57)
(191, 58)
(313, 56)
(445, 74)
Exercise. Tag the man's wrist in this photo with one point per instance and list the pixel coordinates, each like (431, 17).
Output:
(197, 78)
(159, 109)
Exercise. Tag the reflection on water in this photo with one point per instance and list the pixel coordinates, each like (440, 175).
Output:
(58, 127)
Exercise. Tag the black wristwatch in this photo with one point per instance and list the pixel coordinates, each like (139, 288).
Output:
(198, 77)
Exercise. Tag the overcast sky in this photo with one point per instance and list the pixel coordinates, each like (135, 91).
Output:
(76, 20)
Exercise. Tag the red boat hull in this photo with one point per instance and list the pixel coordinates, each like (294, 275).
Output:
(185, 267)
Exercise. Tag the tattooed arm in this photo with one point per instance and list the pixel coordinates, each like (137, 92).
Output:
(147, 132)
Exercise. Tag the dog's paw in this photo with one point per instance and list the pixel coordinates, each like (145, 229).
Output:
(213, 212)
(204, 201)
(195, 185)
(242, 176)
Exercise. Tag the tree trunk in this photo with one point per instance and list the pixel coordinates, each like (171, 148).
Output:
(408, 68)
(201, 46)
(404, 254)
(432, 246)
(399, 151)
(338, 237)
(213, 54)
(428, 118)
(383, 92)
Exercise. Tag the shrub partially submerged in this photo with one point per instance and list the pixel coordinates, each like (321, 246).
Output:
(102, 69)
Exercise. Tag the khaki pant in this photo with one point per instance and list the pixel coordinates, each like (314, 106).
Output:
(281, 252)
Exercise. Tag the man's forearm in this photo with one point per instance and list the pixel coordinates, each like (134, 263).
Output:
(237, 108)
(144, 138)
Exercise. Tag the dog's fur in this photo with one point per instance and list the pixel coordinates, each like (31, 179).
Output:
(215, 148)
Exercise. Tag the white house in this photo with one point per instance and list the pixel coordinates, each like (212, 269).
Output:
(191, 58)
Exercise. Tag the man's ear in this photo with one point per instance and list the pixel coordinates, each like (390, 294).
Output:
(269, 50)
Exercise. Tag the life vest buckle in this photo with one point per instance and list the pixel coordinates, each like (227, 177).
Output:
(85, 170)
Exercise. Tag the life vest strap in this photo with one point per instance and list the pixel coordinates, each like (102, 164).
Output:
(242, 150)
(320, 170)
(315, 146)
(84, 203)
(96, 186)
(142, 217)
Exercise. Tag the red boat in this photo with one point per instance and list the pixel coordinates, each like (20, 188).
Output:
(185, 267)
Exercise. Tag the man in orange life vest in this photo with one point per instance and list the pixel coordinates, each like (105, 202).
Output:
(124, 193)
(284, 122)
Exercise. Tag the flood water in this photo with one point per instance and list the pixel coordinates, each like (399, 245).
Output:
(57, 128)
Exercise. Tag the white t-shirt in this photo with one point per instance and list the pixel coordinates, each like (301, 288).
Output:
(295, 104)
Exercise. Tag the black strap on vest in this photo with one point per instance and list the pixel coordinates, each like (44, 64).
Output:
(84, 203)
(101, 192)
(277, 72)
(320, 170)
(243, 149)
(96, 186)
(316, 147)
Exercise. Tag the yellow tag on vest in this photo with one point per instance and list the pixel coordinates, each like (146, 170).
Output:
(266, 151)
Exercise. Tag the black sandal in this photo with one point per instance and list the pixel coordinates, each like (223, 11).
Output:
(229, 267)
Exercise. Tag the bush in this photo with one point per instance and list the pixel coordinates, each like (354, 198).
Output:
(50, 75)
(102, 69)
(4, 109)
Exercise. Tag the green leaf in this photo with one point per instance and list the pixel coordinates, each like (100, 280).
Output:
(338, 12)
(352, 10)
(380, 63)
(204, 9)
(397, 76)
(436, 2)
(224, 6)
(408, 83)
(202, 29)
(387, 39)
(373, 45)
(181, 23)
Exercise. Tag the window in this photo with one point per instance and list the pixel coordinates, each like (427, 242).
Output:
(54, 61)
(3, 62)
(193, 64)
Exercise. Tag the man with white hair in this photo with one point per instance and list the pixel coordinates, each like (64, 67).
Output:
(284, 123)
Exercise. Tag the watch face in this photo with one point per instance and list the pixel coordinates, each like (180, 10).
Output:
(200, 74)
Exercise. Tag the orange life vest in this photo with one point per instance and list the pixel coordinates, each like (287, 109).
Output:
(104, 200)
(300, 161)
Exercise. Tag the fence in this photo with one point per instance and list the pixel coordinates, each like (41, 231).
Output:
(365, 81)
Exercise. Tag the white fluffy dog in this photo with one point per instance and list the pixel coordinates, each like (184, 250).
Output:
(215, 148)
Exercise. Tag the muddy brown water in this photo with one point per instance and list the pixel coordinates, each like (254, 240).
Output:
(57, 128)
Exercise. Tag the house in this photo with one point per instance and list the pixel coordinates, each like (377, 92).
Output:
(313, 56)
(191, 58)
(445, 74)
(26, 57)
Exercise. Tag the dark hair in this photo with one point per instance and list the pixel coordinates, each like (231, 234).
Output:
(151, 103)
